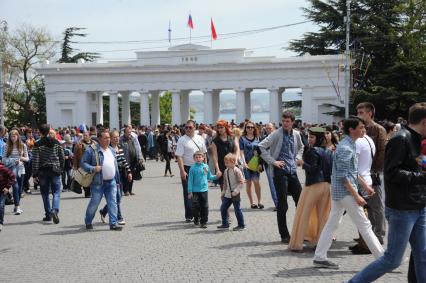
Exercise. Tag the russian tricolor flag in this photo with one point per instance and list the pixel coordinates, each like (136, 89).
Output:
(190, 23)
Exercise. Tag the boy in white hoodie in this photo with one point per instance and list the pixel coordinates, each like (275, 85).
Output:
(233, 181)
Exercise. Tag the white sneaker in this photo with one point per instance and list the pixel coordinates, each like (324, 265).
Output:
(18, 211)
(121, 222)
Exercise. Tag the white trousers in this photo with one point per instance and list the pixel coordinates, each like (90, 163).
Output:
(356, 213)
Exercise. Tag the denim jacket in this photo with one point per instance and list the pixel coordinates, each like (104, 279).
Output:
(88, 163)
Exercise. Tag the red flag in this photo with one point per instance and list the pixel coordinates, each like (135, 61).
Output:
(190, 23)
(214, 35)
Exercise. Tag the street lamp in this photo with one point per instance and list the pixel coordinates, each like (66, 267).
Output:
(3, 26)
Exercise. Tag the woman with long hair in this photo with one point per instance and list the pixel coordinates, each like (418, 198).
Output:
(15, 155)
(248, 143)
(314, 204)
(222, 144)
(79, 149)
(330, 140)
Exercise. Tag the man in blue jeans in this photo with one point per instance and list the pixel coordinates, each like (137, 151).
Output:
(48, 164)
(100, 159)
(283, 150)
(405, 200)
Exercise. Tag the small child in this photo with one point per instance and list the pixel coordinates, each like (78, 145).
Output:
(233, 181)
(198, 187)
(7, 179)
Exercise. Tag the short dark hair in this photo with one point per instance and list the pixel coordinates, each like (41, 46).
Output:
(351, 123)
(190, 121)
(44, 129)
(367, 106)
(289, 115)
(417, 113)
(100, 132)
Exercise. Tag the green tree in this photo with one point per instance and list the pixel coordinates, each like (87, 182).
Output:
(67, 50)
(166, 108)
(25, 98)
(388, 48)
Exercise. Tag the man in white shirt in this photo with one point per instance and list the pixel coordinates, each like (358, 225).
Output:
(100, 159)
(187, 145)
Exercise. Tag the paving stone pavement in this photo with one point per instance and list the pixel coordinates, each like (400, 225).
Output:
(157, 246)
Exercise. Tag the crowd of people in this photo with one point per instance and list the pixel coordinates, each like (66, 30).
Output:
(370, 171)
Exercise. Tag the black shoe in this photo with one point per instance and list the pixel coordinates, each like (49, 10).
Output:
(361, 251)
(239, 228)
(55, 217)
(325, 264)
(223, 227)
(285, 240)
(203, 226)
(188, 220)
(89, 227)
(115, 228)
(102, 216)
(196, 223)
(260, 206)
(254, 206)
(47, 219)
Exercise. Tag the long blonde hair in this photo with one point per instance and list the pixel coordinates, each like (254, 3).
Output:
(19, 143)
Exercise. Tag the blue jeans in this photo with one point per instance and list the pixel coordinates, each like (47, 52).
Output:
(226, 203)
(404, 226)
(50, 183)
(109, 189)
(271, 185)
(17, 190)
(2, 200)
(104, 210)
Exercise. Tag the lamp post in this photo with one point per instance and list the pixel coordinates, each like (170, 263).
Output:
(347, 55)
(3, 26)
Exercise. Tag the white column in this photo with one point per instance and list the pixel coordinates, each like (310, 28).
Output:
(144, 109)
(241, 105)
(125, 114)
(184, 98)
(100, 114)
(155, 108)
(275, 106)
(113, 111)
(208, 106)
(176, 107)
(309, 112)
(215, 105)
(247, 98)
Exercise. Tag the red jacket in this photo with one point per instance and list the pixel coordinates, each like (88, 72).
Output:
(7, 178)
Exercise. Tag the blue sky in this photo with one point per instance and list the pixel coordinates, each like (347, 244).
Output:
(124, 20)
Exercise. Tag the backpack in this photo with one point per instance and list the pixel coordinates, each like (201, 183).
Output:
(326, 163)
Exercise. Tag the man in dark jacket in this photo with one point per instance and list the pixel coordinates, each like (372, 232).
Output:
(48, 164)
(405, 200)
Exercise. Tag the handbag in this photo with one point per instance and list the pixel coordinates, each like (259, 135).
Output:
(86, 178)
(253, 164)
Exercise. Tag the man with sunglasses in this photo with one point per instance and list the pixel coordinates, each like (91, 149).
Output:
(187, 145)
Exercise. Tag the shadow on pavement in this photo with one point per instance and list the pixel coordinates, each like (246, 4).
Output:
(29, 222)
(3, 251)
(311, 271)
(248, 244)
(155, 224)
(74, 232)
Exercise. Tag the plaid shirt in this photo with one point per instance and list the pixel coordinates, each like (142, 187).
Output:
(345, 168)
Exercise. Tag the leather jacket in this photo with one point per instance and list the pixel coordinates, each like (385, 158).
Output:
(312, 167)
(405, 181)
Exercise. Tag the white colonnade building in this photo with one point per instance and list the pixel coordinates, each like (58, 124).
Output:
(75, 91)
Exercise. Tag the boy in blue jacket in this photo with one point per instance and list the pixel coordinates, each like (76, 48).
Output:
(198, 189)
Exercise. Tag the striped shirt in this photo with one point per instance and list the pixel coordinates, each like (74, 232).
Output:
(345, 168)
(123, 165)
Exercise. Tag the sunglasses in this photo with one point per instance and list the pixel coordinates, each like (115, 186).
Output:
(249, 127)
(189, 127)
